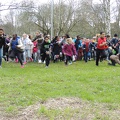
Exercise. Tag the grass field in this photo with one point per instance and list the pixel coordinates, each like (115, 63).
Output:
(21, 88)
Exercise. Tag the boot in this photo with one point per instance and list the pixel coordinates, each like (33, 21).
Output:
(113, 62)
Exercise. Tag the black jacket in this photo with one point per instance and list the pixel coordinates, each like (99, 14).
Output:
(39, 41)
(56, 47)
(45, 46)
(2, 42)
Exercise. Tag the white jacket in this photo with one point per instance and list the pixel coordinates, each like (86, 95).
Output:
(27, 43)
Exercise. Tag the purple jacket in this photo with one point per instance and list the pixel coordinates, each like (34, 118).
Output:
(69, 50)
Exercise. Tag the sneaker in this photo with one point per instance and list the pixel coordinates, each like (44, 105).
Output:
(70, 63)
(39, 61)
(31, 59)
(0, 66)
(22, 66)
(65, 64)
(96, 64)
(111, 64)
(24, 63)
(16, 60)
(46, 66)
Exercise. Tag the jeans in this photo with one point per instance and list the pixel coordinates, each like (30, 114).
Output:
(35, 56)
(39, 54)
(26, 54)
(1, 55)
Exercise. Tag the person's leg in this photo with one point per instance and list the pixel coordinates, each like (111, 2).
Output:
(97, 56)
(70, 60)
(38, 55)
(54, 57)
(1, 54)
(7, 56)
(24, 56)
(81, 53)
(29, 55)
(94, 54)
(104, 54)
(43, 57)
(60, 56)
(88, 55)
(116, 51)
(66, 60)
(85, 56)
(113, 62)
(47, 60)
(35, 56)
(19, 55)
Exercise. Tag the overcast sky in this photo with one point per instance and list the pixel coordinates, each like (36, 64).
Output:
(37, 1)
(7, 2)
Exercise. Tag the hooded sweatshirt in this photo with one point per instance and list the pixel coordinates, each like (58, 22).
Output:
(69, 50)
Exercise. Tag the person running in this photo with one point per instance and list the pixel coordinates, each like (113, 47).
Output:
(2, 43)
(86, 49)
(39, 38)
(56, 48)
(35, 50)
(27, 51)
(15, 44)
(45, 51)
(101, 46)
(68, 51)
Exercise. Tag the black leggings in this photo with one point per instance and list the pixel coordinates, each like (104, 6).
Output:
(46, 57)
(19, 56)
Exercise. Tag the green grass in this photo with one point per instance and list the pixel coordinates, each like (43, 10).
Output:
(24, 87)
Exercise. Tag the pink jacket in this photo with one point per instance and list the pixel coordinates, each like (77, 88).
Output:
(69, 50)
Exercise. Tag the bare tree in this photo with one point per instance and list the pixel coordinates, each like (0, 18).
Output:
(106, 6)
(81, 17)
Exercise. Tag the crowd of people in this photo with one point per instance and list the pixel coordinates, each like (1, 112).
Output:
(41, 49)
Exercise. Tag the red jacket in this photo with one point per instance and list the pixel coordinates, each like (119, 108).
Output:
(69, 50)
(100, 41)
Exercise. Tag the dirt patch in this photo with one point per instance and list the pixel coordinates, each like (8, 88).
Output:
(64, 109)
